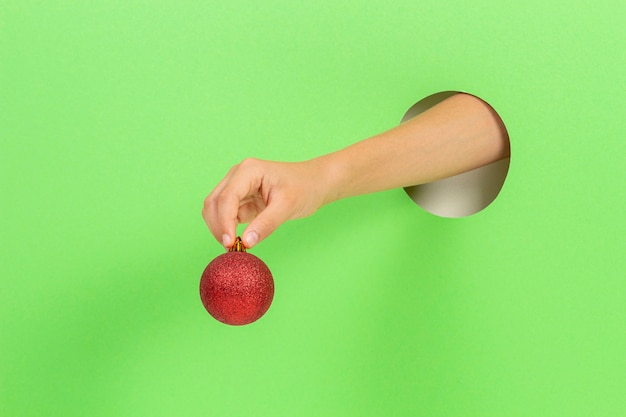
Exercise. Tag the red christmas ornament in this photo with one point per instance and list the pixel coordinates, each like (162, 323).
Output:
(237, 288)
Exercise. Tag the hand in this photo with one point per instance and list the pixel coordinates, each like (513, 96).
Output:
(264, 194)
(457, 135)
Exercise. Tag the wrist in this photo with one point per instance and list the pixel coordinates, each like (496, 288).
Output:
(332, 177)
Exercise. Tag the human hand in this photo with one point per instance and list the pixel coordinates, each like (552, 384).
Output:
(457, 135)
(264, 194)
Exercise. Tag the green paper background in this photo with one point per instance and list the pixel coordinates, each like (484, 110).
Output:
(117, 118)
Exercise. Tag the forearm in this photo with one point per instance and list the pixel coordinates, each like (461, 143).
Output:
(457, 135)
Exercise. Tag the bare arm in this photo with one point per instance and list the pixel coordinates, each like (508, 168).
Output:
(457, 135)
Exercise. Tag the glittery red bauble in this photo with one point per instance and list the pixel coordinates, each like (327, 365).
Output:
(237, 288)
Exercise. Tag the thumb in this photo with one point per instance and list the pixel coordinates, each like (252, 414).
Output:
(265, 223)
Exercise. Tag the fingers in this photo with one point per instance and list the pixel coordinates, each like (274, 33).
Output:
(221, 207)
(210, 209)
(264, 193)
(226, 219)
(234, 199)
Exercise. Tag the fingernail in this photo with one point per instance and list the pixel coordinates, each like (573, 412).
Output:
(226, 240)
(251, 239)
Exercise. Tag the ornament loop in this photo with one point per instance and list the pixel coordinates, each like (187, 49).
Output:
(238, 246)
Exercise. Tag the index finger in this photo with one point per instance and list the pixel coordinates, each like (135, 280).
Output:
(241, 182)
(210, 208)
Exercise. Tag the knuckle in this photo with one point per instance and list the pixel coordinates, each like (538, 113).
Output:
(222, 199)
(249, 163)
(208, 202)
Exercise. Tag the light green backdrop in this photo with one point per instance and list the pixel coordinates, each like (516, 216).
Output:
(118, 117)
